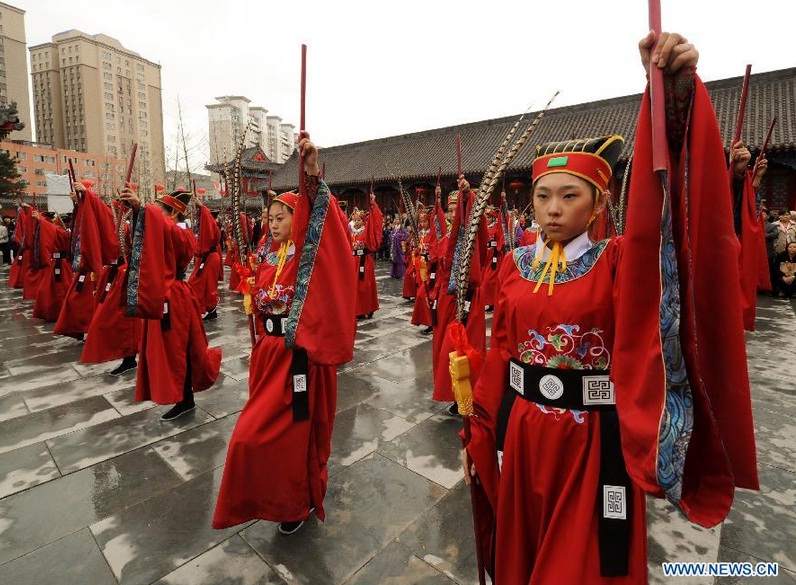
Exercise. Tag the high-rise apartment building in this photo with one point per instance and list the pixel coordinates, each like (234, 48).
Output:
(14, 66)
(228, 119)
(93, 95)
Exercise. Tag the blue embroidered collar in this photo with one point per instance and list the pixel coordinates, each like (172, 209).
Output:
(524, 257)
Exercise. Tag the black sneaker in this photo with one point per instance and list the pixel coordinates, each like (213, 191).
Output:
(211, 315)
(370, 315)
(427, 331)
(177, 411)
(288, 528)
(453, 409)
(126, 365)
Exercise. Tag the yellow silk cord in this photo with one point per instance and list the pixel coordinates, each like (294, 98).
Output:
(556, 263)
(282, 256)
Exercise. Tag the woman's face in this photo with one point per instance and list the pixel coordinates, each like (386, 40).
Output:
(563, 205)
(792, 249)
(280, 220)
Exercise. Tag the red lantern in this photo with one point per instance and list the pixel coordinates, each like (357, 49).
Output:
(201, 190)
(223, 192)
(159, 188)
(87, 183)
(420, 189)
(180, 188)
(517, 184)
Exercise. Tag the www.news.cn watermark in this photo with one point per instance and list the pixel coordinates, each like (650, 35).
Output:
(720, 569)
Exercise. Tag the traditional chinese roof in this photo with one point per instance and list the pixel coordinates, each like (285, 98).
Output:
(416, 156)
(253, 161)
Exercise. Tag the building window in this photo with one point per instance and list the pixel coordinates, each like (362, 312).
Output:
(22, 155)
(107, 75)
(106, 55)
(90, 163)
(106, 65)
(142, 105)
(108, 96)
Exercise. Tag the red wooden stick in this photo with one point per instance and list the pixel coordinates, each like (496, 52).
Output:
(439, 176)
(657, 99)
(302, 123)
(372, 181)
(323, 171)
(764, 148)
(130, 164)
(742, 105)
(459, 155)
(270, 175)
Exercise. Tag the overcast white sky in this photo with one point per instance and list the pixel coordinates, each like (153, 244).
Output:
(378, 69)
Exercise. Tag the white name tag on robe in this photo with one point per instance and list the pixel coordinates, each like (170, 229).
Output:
(56, 255)
(300, 383)
(58, 271)
(166, 308)
(81, 278)
(362, 269)
(202, 265)
(107, 287)
(614, 503)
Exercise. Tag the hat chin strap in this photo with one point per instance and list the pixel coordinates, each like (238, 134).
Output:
(555, 264)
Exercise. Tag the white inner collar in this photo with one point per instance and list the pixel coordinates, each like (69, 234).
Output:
(572, 251)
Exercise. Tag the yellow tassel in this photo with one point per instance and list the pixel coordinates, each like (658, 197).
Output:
(459, 368)
(282, 255)
(555, 264)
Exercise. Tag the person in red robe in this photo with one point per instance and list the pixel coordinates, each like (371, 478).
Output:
(365, 240)
(174, 358)
(276, 466)
(54, 255)
(409, 289)
(16, 274)
(207, 262)
(496, 245)
(746, 214)
(587, 341)
(237, 271)
(421, 312)
(88, 243)
(111, 333)
(36, 264)
(444, 295)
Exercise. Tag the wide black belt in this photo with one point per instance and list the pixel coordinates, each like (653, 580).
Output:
(59, 257)
(590, 390)
(203, 260)
(114, 271)
(275, 325)
(362, 253)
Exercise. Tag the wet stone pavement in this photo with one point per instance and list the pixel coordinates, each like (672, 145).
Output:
(95, 490)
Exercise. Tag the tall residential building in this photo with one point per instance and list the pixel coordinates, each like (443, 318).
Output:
(228, 119)
(14, 66)
(93, 95)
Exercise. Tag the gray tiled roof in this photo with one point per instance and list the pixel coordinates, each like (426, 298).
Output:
(417, 155)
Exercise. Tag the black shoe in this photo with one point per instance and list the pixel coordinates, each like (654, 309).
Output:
(177, 411)
(453, 409)
(370, 315)
(211, 315)
(127, 364)
(360, 317)
(427, 331)
(288, 528)
(489, 308)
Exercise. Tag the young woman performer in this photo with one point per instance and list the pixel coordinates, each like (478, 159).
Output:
(588, 339)
(364, 243)
(276, 463)
(207, 262)
(174, 359)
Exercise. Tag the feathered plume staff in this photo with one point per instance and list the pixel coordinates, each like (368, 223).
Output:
(460, 364)
(124, 210)
(241, 232)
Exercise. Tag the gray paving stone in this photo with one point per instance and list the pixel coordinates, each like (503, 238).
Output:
(72, 560)
(101, 442)
(50, 511)
(23, 468)
(396, 565)
(232, 562)
(198, 450)
(387, 496)
(39, 426)
(151, 539)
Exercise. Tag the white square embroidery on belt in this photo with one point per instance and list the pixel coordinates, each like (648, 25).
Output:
(598, 390)
(300, 383)
(516, 378)
(614, 502)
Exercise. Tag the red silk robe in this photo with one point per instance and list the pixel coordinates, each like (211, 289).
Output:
(112, 334)
(446, 303)
(173, 335)
(640, 307)
(207, 262)
(95, 234)
(16, 274)
(750, 252)
(494, 256)
(367, 240)
(54, 252)
(276, 466)
(35, 265)
(421, 313)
